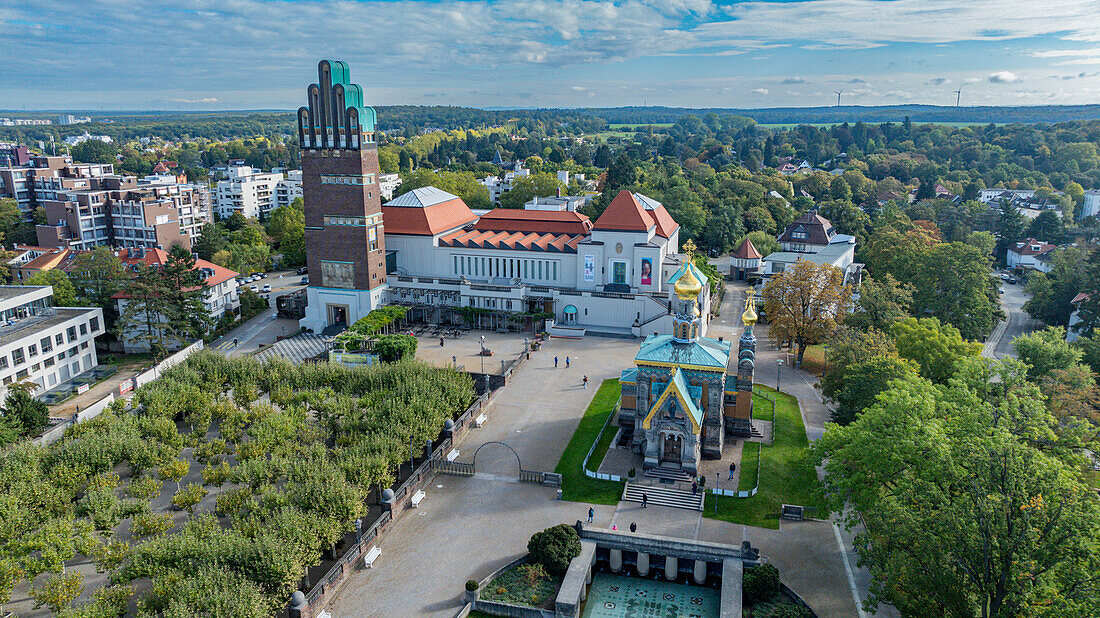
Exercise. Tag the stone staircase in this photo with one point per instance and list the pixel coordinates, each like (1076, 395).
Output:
(663, 496)
(669, 474)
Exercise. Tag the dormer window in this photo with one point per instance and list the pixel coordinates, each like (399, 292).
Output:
(799, 234)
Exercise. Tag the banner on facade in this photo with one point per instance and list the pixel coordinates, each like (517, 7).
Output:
(589, 268)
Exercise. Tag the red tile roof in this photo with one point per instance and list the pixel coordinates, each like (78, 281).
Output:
(428, 220)
(1028, 247)
(541, 221)
(747, 251)
(624, 213)
(158, 257)
(629, 213)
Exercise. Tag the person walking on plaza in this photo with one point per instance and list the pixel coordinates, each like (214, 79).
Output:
(645, 499)
(633, 527)
(586, 381)
(591, 514)
(441, 342)
(567, 362)
(733, 468)
(555, 362)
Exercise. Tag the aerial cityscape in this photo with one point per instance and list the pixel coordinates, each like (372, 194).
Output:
(581, 309)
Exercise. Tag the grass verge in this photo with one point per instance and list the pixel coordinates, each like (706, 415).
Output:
(575, 486)
(787, 474)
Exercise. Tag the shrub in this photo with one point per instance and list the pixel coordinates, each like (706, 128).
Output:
(148, 524)
(761, 583)
(189, 496)
(471, 585)
(780, 609)
(532, 573)
(554, 547)
(392, 348)
(144, 488)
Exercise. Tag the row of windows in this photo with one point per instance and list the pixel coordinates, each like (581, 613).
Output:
(340, 179)
(19, 356)
(491, 303)
(511, 268)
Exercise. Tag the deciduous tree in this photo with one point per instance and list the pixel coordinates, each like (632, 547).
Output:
(805, 304)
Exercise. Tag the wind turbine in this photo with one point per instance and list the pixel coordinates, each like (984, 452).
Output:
(838, 93)
(958, 95)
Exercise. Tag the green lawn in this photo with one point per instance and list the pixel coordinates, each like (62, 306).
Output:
(787, 473)
(575, 486)
(750, 454)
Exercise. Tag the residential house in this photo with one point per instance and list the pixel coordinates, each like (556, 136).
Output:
(1031, 254)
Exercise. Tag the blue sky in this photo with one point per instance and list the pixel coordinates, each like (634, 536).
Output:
(247, 54)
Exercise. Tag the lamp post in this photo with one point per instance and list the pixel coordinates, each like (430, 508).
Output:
(483, 354)
(778, 372)
(717, 480)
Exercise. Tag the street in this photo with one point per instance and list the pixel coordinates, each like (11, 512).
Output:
(1017, 323)
(265, 328)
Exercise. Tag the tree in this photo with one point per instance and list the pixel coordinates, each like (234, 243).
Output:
(1046, 350)
(287, 226)
(881, 303)
(174, 471)
(1012, 227)
(212, 239)
(602, 158)
(26, 413)
(235, 222)
(937, 348)
(64, 295)
(765, 243)
(959, 515)
(951, 282)
(59, 591)
(93, 151)
(1047, 227)
(864, 381)
(839, 189)
(554, 548)
(805, 304)
(527, 187)
(620, 174)
(97, 275)
(10, 217)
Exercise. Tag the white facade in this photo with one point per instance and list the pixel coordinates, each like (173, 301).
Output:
(498, 186)
(44, 344)
(1091, 204)
(387, 184)
(562, 203)
(355, 304)
(288, 189)
(250, 193)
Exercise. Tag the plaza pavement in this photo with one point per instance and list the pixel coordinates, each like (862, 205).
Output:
(468, 527)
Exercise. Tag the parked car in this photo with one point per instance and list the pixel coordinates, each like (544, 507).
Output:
(303, 270)
(254, 287)
(1001, 290)
(1012, 280)
(305, 280)
(1004, 276)
(267, 287)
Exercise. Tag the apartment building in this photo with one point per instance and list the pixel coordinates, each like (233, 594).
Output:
(387, 184)
(118, 211)
(498, 186)
(289, 188)
(219, 283)
(247, 191)
(41, 343)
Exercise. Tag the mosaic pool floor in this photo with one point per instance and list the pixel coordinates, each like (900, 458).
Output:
(615, 596)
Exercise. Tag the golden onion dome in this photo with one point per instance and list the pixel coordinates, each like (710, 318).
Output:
(688, 286)
(749, 317)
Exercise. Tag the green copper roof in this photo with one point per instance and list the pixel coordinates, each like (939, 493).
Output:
(353, 94)
(706, 352)
(694, 269)
(629, 375)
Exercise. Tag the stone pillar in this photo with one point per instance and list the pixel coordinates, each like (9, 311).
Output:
(672, 567)
(615, 560)
(388, 500)
(643, 564)
(298, 607)
(700, 571)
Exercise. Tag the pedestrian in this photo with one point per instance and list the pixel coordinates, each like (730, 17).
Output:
(586, 381)
(555, 362)
(234, 342)
(567, 362)
(733, 468)
(633, 527)
(614, 527)
(591, 514)
(694, 487)
(645, 499)
(441, 342)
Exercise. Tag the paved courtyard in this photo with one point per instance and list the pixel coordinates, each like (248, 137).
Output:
(465, 349)
(468, 527)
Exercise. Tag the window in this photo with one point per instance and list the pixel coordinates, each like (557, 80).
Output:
(32, 350)
(83, 329)
(73, 350)
(618, 272)
(59, 338)
(48, 362)
(17, 357)
(4, 361)
(71, 332)
(22, 374)
(36, 367)
(83, 345)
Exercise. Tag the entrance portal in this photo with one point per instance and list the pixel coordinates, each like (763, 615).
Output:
(672, 449)
(337, 314)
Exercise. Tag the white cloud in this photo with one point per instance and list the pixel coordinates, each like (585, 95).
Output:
(760, 91)
(202, 100)
(794, 80)
(1003, 77)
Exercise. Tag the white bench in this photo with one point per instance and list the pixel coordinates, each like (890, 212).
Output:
(418, 497)
(372, 555)
(480, 420)
(453, 455)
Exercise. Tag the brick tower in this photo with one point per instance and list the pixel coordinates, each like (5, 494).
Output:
(345, 243)
(740, 423)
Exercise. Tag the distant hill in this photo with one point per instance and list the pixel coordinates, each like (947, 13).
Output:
(860, 113)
